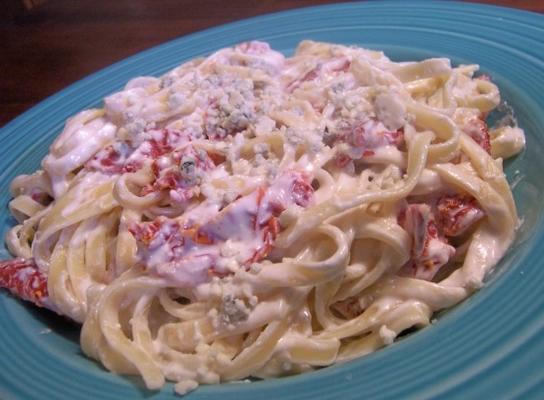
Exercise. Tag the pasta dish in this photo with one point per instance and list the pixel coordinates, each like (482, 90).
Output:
(253, 215)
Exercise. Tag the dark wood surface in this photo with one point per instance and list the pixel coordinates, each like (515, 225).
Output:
(44, 49)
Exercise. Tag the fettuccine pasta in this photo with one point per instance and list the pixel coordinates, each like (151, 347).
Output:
(252, 215)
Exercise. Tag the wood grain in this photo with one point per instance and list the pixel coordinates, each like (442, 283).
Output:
(60, 41)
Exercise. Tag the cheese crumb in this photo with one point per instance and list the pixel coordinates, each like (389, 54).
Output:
(233, 310)
(387, 335)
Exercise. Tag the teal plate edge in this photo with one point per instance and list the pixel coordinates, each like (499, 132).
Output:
(490, 346)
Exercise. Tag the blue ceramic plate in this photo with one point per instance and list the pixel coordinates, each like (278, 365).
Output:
(490, 346)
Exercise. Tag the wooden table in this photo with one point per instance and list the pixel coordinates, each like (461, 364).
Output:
(60, 41)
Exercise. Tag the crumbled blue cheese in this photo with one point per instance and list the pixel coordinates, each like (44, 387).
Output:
(261, 148)
(293, 137)
(329, 136)
(337, 88)
(136, 126)
(187, 167)
(351, 104)
(264, 168)
(166, 81)
(314, 140)
(237, 120)
(176, 100)
(233, 311)
(390, 110)
(193, 125)
(264, 125)
(297, 110)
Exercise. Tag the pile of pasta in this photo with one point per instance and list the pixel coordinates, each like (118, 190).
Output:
(252, 215)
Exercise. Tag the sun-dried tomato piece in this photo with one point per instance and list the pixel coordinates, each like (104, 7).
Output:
(457, 213)
(477, 129)
(430, 251)
(146, 231)
(111, 159)
(371, 135)
(334, 66)
(25, 280)
(341, 160)
(269, 234)
(302, 192)
(348, 308)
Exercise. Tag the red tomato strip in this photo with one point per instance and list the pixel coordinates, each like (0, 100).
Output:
(25, 280)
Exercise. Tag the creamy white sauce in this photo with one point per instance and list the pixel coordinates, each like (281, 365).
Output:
(243, 225)
(83, 144)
